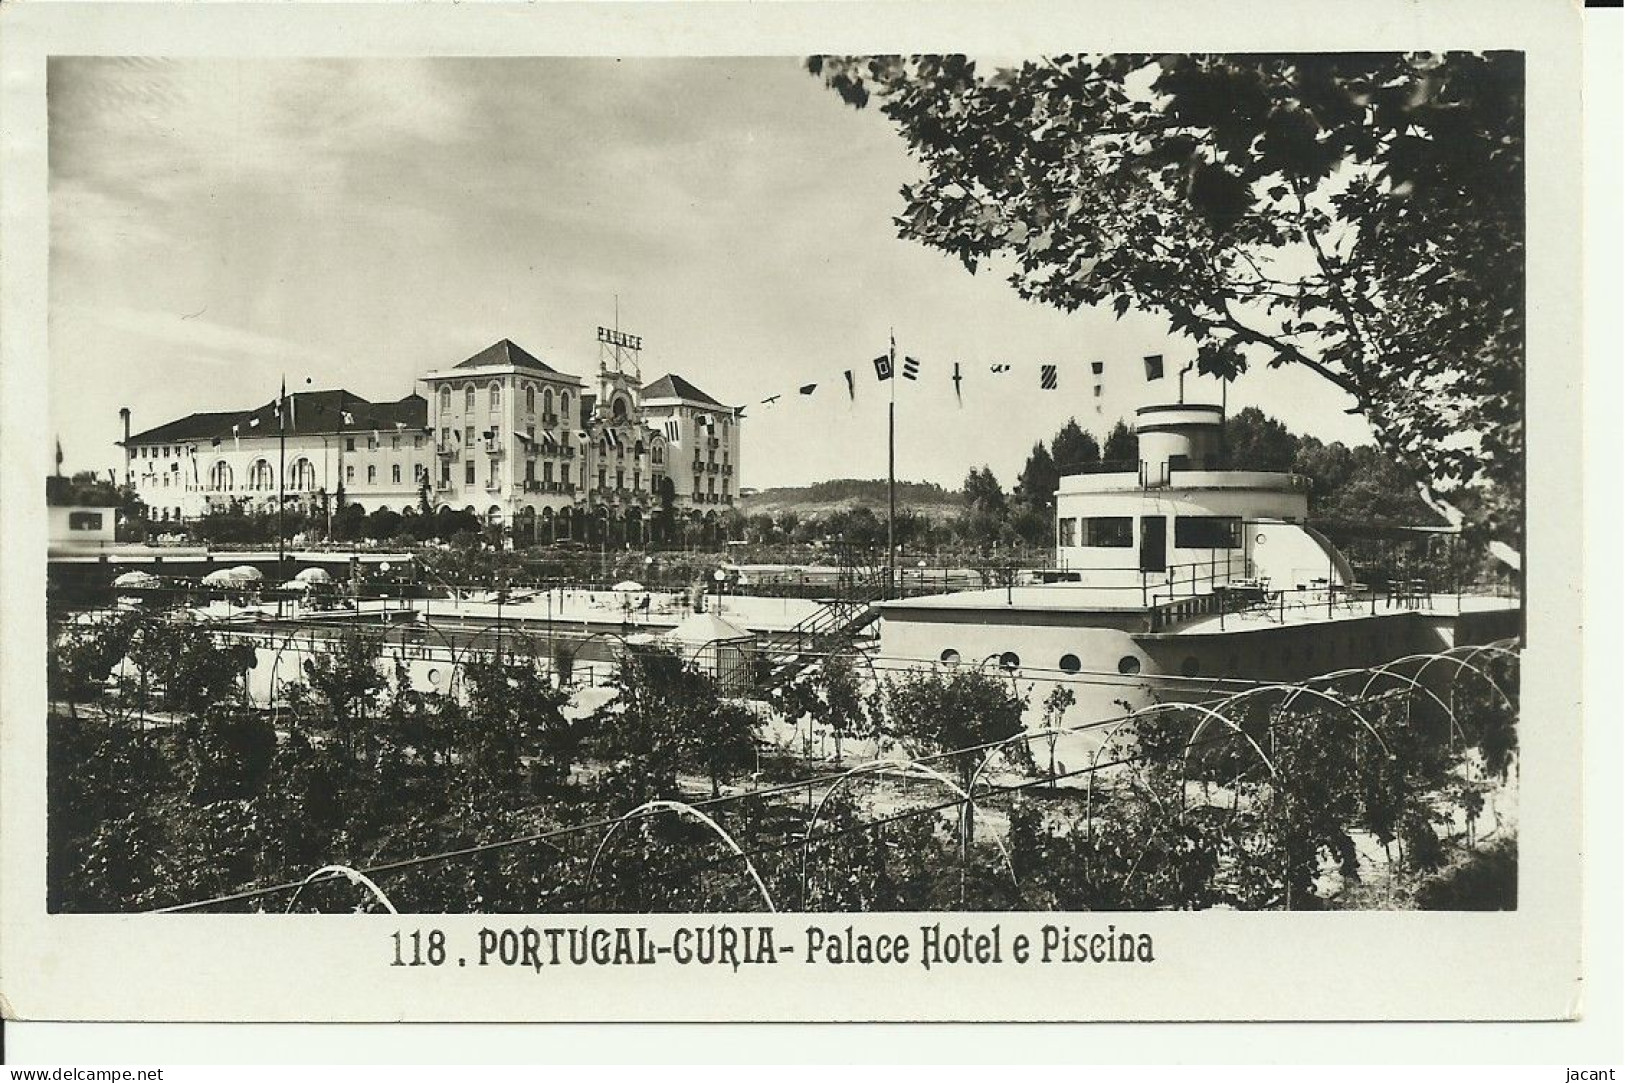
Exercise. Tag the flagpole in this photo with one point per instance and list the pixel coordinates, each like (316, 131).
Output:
(891, 475)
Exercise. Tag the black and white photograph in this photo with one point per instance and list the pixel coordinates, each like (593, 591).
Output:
(1038, 492)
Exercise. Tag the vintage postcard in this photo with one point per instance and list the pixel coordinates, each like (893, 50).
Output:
(790, 512)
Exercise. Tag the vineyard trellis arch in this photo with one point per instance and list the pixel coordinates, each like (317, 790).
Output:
(905, 767)
(683, 808)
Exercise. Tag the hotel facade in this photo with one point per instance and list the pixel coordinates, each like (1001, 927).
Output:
(523, 445)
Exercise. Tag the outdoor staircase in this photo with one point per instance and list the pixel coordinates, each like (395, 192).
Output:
(831, 627)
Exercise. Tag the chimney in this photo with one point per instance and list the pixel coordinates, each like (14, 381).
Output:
(124, 416)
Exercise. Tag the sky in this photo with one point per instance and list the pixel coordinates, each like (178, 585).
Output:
(217, 225)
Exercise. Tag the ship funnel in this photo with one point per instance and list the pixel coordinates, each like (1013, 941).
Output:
(1179, 437)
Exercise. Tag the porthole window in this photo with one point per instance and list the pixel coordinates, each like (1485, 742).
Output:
(1070, 663)
(951, 656)
(1190, 667)
(1010, 660)
(434, 677)
(1128, 664)
(1258, 539)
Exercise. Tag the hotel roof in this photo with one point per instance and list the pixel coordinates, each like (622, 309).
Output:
(505, 352)
(310, 412)
(673, 386)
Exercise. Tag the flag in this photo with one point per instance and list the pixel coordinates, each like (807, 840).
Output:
(253, 422)
(883, 367)
(770, 400)
(807, 389)
(957, 396)
(1048, 377)
(1097, 367)
(911, 369)
(281, 400)
(195, 480)
(59, 454)
(1153, 367)
(349, 418)
(399, 425)
(851, 386)
(996, 369)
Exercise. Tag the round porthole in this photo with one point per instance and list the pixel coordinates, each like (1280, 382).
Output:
(950, 656)
(1128, 664)
(1070, 663)
(434, 677)
(1010, 660)
(1190, 667)
(1258, 539)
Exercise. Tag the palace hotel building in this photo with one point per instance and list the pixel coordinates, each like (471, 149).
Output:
(504, 435)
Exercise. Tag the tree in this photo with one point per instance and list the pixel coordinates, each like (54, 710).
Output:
(343, 689)
(831, 693)
(1357, 214)
(1074, 447)
(934, 711)
(1256, 441)
(1039, 479)
(513, 710)
(1122, 446)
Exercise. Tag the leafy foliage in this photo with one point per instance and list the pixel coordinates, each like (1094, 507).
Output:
(1357, 214)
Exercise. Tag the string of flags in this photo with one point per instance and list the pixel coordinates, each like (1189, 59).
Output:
(1050, 376)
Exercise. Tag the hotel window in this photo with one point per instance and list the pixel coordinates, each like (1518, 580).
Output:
(530, 399)
(603, 478)
(547, 400)
(637, 479)
(445, 436)
(530, 471)
(445, 473)
(1207, 532)
(468, 436)
(417, 439)
(445, 400)
(349, 443)
(84, 520)
(468, 398)
(496, 396)
(491, 476)
(620, 479)
(1067, 535)
(220, 476)
(395, 474)
(547, 472)
(372, 475)
(259, 475)
(394, 443)
(564, 474)
(420, 473)
(349, 475)
(468, 472)
(1109, 532)
(530, 434)
(372, 442)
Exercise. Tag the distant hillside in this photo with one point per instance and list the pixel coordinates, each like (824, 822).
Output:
(926, 498)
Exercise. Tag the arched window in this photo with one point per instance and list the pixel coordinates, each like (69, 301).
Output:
(304, 476)
(468, 397)
(220, 475)
(496, 395)
(259, 475)
(445, 400)
(547, 400)
(618, 409)
(530, 398)
(564, 407)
